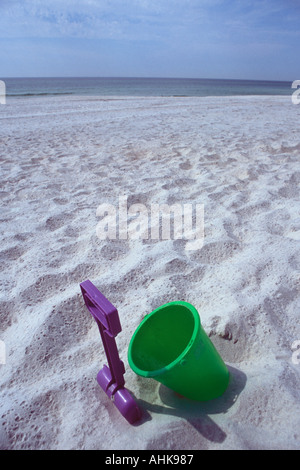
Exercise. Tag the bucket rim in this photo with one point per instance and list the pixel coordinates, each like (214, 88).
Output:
(171, 365)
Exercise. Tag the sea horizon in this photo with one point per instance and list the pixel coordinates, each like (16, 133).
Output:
(142, 86)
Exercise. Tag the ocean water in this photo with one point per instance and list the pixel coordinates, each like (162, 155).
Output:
(142, 87)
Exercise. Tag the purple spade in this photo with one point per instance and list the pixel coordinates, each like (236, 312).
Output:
(110, 378)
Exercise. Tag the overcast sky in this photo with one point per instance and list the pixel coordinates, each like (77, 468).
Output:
(257, 39)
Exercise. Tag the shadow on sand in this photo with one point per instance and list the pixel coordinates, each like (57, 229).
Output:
(196, 413)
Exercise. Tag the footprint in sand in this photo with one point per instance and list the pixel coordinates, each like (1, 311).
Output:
(8, 314)
(114, 250)
(57, 221)
(12, 254)
(216, 252)
(185, 165)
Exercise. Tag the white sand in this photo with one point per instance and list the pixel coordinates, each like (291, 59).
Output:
(60, 159)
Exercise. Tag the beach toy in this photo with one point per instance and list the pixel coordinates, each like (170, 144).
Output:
(111, 378)
(171, 347)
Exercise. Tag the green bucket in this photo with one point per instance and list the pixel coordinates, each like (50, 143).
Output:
(171, 347)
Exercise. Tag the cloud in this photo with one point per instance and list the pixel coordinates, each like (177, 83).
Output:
(79, 19)
(145, 20)
(163, 32)
(120, 19)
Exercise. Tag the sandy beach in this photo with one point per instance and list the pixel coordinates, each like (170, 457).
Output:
(62, 157)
